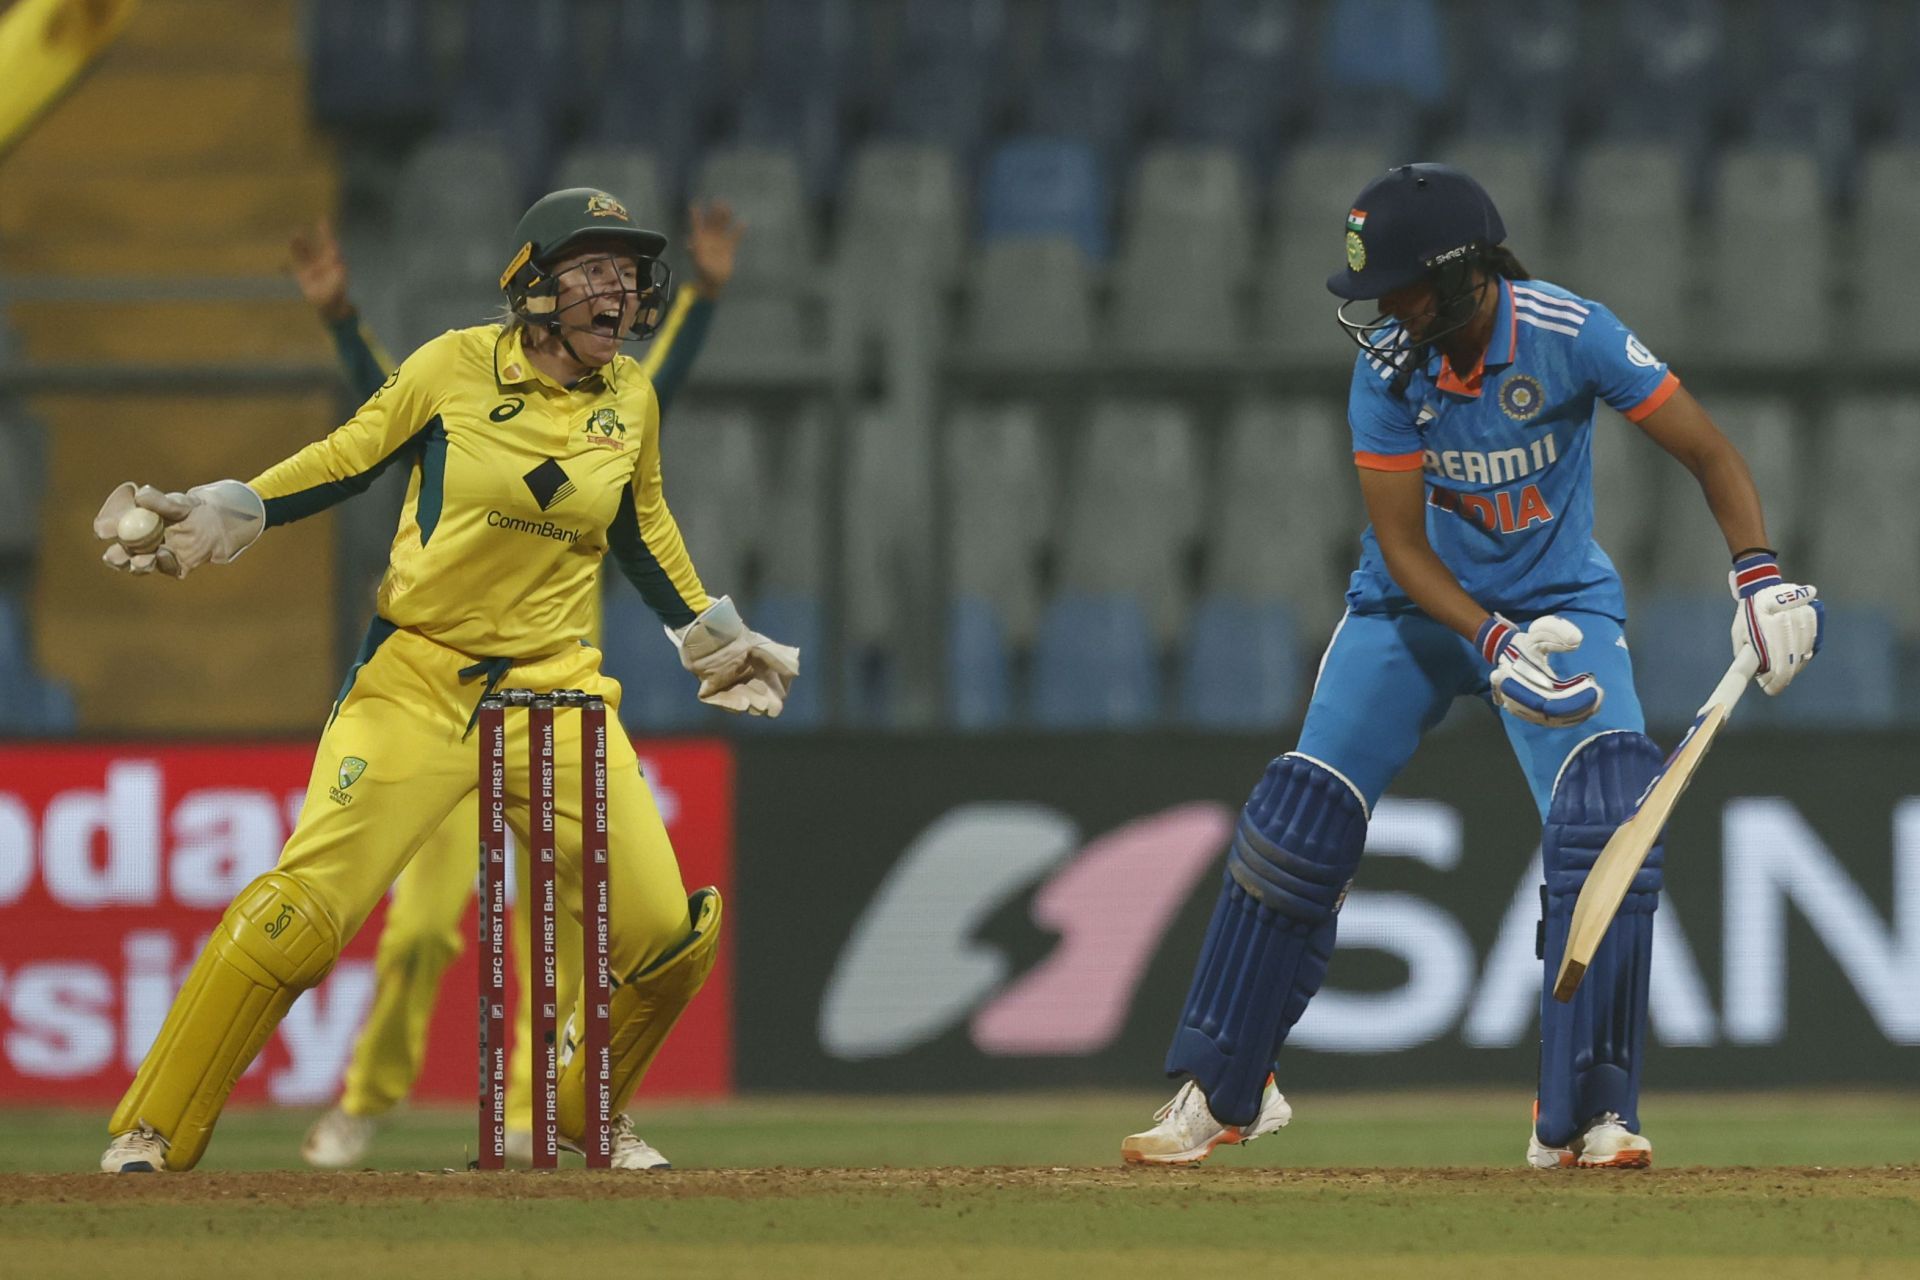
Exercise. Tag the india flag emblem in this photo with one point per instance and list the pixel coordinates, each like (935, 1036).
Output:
(1356, 219)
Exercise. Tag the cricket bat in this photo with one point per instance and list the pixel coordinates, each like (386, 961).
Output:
(1618, 863)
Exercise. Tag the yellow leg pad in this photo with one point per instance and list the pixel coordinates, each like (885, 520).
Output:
(644, 1009)
(393, 1041)
(274, 942)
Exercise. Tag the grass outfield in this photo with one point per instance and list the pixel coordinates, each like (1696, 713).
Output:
(1377, 1185)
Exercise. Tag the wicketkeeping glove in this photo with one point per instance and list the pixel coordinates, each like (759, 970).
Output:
(208, 523)
(1781, 621)
(739, 670)
(1523, 679)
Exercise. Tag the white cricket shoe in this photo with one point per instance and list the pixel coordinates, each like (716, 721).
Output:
(630, 1150)
(1604, 1144)
(136, 1151)
(338, 1140)
(1185, 1131)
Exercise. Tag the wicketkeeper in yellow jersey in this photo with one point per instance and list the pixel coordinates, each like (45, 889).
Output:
(422, 935)
(534, 449)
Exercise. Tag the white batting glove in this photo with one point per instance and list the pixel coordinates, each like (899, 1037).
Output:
(1523, 679)
(1781, 621)
(209, 523)
(739, 670)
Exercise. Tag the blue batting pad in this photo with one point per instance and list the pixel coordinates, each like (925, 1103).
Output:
(1591, 1048)
(1267, 946)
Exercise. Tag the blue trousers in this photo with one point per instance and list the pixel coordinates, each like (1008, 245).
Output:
(1386, 680)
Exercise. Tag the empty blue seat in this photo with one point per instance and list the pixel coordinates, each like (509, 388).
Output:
(1038, 187)
(979, 674)
(1242, 668)
(1385, 46)
(1236, 103)
(1098, 104)
(1269, 32)
(368, 63)
(518, 67)
(1094, 666)
(808, 46)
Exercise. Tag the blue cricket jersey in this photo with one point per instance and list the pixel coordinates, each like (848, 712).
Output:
(1508, 452)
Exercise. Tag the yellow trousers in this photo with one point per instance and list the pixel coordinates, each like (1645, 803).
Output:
(394, 764)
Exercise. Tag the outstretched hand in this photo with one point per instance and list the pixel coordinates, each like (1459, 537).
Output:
(321, 271)
(713, 239)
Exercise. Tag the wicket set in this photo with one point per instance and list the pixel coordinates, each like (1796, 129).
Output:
(540, 895)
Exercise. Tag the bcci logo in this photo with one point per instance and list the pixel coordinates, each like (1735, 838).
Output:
(605, 429)
(351, 767)
(602, 205)
(1520, 397)
(1356, 249)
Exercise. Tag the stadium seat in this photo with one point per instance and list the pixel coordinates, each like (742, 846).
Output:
(1114, 33)
(1311, 197)
(1690, 554)
(452, 184)
(997, 461)
(1628, 472)
(1538, 45)
(1030, 304)
(765, 188)
(802, 119)
(1094, 665)
(1283, 513)
(805, 47)
(1627, 240)
(1243, 667)
(1236, 103)
(658, 695)
(1133, 510)
(1883, 235)
(943, 104)
(1035, 187)
(1518, 175)
(368, 63)
(714, 468)
(979, 675)
(1097, 104)
(1864, 522)
(1770, 210)
(890, 623)
(450, 286)
(793, 555)
(947, 31)
(1681, 648)
(902, 231)
(1177, 292)
(1384, 46)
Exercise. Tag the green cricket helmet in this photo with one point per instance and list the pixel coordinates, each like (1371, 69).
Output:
(564, 222)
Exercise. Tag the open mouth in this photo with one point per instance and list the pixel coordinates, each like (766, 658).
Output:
(606, 322)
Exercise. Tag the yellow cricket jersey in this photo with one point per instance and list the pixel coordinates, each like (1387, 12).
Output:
(519, 487)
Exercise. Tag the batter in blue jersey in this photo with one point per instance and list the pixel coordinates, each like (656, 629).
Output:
(1472, 408)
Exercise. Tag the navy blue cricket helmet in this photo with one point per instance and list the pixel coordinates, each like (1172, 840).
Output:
(1415, 222)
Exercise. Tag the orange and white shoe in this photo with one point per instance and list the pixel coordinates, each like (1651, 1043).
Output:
(1604, 1144)
(1185, 1131)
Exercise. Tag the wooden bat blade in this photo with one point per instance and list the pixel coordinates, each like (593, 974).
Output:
(1613, 871)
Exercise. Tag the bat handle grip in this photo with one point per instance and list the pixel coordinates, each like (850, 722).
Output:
(1735, 682)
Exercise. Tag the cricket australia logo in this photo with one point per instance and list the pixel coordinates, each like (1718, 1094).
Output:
(1521, 398)
(605, 429)
(602, 205)
(351, 767)
(549, 484)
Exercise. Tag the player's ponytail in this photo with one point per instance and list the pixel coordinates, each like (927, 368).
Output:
(1499, 260)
